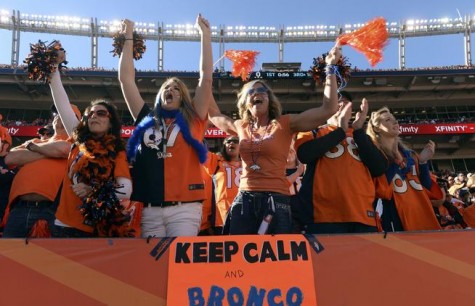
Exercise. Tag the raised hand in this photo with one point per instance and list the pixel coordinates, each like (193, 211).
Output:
(427, 152)
(360, 116)
(333, 55)
(127, 28)
(203, 25)
(61, 56)
(344, 116)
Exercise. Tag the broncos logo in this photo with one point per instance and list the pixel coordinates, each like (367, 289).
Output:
(152, 137)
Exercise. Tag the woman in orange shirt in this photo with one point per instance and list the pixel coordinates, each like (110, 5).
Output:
(97, 176)
(265, 136)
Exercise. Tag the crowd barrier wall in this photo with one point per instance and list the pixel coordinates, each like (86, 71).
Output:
(417, 268)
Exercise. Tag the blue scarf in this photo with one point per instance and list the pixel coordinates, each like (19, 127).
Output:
(395, 168)
(147, 122)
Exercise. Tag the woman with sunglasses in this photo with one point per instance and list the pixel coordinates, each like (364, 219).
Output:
(225, 168)
(97, 175)
(166, 148)
(265, 136)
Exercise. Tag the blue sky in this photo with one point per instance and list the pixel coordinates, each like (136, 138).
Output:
(420, 52)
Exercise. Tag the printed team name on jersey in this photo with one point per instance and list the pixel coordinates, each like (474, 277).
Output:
(218, 252)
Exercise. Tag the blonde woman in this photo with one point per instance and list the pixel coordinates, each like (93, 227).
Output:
(407, 205)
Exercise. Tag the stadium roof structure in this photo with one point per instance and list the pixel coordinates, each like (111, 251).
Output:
(90, 27)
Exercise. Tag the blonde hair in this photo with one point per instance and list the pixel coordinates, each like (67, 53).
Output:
(373, 123)
(275, 108)
(187, 105)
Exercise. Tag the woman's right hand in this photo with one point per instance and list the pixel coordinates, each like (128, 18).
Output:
(81, 190)
(127, 28)
(333, 55)
(203, 25)
(61, 56)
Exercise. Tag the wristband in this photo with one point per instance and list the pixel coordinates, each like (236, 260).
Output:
(331, 69)
(29, 145)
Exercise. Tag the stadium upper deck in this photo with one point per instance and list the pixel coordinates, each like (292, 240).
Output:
(438, 94)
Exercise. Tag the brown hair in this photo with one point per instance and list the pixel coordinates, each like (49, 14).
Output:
(187, 104)
(275, 108)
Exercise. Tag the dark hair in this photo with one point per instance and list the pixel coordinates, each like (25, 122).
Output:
(82, 133)
(223, 150)
(346, 95)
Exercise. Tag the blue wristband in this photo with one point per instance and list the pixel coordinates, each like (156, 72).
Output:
(331, 69)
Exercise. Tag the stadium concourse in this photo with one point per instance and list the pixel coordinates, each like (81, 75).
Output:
(431, 103)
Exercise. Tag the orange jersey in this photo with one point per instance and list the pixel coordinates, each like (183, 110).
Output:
(270, 153)
(413, 203)
(174, 178)
(340, 187)
(68, 209)
(468, 215)
(207, 208)
(31, 177)
(226, 177)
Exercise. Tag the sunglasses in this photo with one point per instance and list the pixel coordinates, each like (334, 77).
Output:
(101, 113)
(259, 90)
(232, 140)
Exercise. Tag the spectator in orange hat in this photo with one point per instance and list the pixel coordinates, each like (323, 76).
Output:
(31, 205)
(46, 132)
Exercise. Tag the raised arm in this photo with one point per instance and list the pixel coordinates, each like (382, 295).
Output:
(127, 72)
(203, 91)
(314, 117)
(220, 120)
(61, 100)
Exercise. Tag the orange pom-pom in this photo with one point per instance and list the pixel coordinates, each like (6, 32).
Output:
(243, 62)
(369, 40)
(40, 229)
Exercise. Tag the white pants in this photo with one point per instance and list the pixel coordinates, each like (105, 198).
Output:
(172, 221)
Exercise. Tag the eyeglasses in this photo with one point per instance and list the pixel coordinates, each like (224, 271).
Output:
(101, 113)
(232, 140)
(259, 90)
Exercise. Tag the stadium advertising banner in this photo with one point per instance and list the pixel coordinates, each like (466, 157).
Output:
(406, 129)
(409, 268)
(237, 270)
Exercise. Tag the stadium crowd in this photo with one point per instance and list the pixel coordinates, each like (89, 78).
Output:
(275, 174)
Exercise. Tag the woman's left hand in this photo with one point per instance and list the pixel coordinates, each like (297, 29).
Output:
(427, 152)
(81, 190)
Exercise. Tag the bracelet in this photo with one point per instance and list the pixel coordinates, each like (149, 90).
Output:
(129, 39)
(331, 69)
(29, 145)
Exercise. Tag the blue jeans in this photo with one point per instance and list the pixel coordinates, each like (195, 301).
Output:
(69, 232)
(249, 209)
(23, 215)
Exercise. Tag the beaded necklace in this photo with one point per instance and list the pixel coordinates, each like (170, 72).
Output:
(256, 152)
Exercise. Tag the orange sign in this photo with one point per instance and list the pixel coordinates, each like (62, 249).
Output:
(241, 270)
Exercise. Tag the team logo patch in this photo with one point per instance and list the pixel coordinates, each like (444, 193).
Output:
(153, 137)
